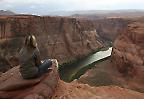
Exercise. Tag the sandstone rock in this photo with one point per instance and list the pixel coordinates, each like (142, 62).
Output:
(51, 87)
(128, 53)
(83, 91)
(14, 87)
(126, 66)
(12, 80)
(58, 37)
(110, 28)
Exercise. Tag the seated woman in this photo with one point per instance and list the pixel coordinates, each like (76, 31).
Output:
(30, 62)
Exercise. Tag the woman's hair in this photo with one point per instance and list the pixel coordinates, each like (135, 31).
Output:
(30, 41)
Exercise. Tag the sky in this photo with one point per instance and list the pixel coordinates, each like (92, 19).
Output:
(43, 7)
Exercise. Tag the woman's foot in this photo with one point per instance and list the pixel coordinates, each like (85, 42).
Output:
(54, 62)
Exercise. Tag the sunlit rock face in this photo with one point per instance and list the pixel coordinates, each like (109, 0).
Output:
(128, 52)
(62, 38)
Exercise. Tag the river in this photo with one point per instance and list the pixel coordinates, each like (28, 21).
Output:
(69, 71)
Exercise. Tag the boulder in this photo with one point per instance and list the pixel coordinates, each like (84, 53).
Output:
(12, 80)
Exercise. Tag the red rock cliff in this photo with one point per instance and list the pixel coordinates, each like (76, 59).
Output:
(128, 53)
(110, 28)
(62, 38)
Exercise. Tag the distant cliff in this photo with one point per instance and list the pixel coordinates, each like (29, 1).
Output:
(65, 39)
(6, 12)
(110, 28)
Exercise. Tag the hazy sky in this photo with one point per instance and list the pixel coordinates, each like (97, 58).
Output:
(46, 6)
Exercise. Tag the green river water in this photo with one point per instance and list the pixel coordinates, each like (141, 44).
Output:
(74, 70)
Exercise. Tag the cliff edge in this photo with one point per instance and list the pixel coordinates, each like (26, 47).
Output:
(128, 54)
(49, 86)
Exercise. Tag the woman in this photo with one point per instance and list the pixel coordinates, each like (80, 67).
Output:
(30, 62)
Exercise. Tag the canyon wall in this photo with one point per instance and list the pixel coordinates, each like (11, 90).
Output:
(128, 52)
(62, 38)
(110, 28)
(125, 67)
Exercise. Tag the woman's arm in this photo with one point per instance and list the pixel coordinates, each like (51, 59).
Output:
(37, 57)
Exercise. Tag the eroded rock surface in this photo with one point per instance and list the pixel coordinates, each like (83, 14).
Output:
(126, 66)
(12, 86)
(64, 39)
(128, 52)
(51, 87)
(84, 91)
(110, 28)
